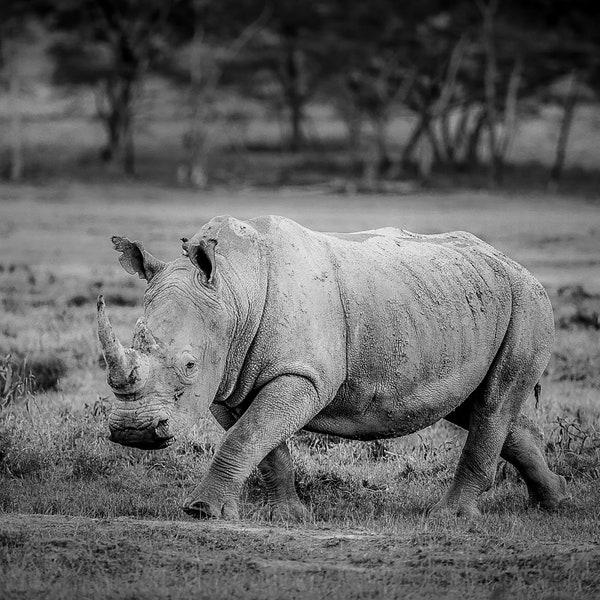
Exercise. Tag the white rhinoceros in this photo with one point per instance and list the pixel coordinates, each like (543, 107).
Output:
(363, 335)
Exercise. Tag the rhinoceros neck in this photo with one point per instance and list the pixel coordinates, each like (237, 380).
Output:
(243, 281)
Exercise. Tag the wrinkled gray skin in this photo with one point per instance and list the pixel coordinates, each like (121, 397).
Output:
(366, 335)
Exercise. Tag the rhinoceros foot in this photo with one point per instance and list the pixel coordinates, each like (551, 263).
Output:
(445, 509)
(553, 496)
(201, 509)
(290, 512)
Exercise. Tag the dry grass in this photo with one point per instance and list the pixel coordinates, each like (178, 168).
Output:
(55, 459)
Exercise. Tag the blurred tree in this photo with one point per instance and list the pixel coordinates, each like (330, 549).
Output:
(287, 58)
(111, 45)
(567, 91)
(15, 21)
(210, 51)
(294, 53)
(568, 59)
(476, 62)
(443, 51)
(372, 56)
(460, 67)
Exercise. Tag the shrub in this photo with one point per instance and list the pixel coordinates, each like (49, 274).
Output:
(575, 367)
(47, 370)
(577, 308)
(120, 299)
(580, 316)
(78, 300)
(88, 465)
(575, 448)
(16, 382)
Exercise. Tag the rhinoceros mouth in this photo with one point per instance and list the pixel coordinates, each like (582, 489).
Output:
(143, 444)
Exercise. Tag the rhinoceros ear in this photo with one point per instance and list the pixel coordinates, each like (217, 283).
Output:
(135, 259)
(202, 255)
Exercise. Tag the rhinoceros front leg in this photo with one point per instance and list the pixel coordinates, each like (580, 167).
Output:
(277, 471)
(281, 408)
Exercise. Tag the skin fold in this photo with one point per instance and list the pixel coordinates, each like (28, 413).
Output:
(275, 328)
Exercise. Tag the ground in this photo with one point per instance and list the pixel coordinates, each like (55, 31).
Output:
(80, 517)
(128, 558)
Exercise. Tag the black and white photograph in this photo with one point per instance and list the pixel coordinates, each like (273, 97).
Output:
(299, 299)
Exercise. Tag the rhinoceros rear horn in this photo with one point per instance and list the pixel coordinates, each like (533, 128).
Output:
(202, 255)
(127, 368)
(134, 259)
(143, 339)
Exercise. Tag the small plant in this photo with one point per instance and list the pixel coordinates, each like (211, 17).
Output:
(46, 369)
(570, 436)
(16, 382)
(99, 409)
(576, 448)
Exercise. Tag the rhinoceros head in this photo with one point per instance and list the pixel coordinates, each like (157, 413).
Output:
(179, 346)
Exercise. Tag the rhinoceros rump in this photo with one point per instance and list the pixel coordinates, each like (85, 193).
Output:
(366, 335)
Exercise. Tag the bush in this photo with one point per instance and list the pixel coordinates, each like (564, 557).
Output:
(16, 383)
(47, 370)
(112, 299)
(120, 299)
(579, 308)
(575, 449)
(78, 300)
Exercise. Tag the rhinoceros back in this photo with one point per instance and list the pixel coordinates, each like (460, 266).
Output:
(394, 329)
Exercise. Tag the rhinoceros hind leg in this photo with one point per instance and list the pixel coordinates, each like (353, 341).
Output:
(522, 448)
(490, 415)
(278, 474)
(290, 512)
(447, 507)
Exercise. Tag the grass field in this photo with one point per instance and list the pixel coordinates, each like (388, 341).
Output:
(81, 517)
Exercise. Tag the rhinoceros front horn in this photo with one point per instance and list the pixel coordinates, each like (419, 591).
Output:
(127, 368)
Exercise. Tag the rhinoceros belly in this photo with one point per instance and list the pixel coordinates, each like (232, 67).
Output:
(369, 409)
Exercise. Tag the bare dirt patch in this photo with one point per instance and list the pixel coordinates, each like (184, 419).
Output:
(54, 556)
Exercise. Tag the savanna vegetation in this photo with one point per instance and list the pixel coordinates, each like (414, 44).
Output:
(146, 119)
(369, 536)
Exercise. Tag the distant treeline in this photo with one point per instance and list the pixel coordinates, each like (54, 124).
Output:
(466, 70)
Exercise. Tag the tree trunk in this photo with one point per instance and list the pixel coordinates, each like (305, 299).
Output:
(459, 136)
(471, 156)
(565, 129)
(117, 117)
(489, 11)
(510, 111)
(106, 101)
(127, 128)
(196, 171)
(128, 147)
(383, 161)
(418, 131)
(16, 128)
(447, 142)
(435, 145)
(293, 92)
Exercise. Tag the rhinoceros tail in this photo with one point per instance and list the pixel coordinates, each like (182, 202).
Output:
(537, 392)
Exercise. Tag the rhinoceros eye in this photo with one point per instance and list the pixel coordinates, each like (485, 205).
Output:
(188, 366)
